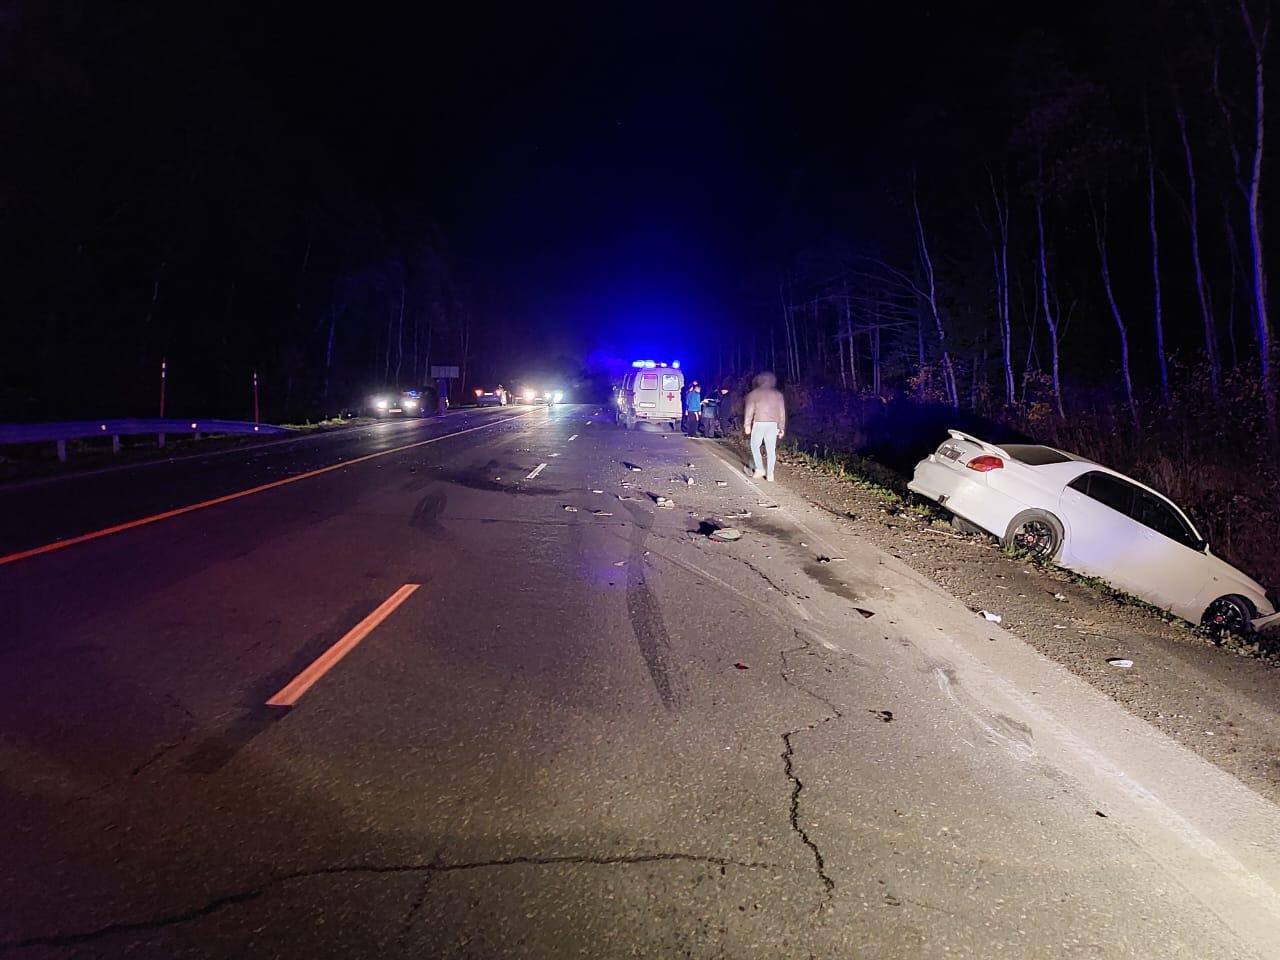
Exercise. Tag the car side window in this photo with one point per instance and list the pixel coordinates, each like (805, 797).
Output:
(1108, 490)
(670, 381)
(1151, 511)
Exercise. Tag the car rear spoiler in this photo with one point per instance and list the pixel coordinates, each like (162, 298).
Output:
(988, 447)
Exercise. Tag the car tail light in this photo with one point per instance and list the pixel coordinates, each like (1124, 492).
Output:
(985, 463)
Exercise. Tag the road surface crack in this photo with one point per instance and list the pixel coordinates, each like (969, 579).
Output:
(426, 870)
(788, 765)
(166, 748)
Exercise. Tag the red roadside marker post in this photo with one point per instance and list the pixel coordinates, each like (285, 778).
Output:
(164, 373)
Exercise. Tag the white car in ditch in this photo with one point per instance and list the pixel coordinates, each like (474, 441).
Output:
(1062, 508)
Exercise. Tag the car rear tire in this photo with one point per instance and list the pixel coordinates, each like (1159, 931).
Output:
(1231, 615)
(1036, 533)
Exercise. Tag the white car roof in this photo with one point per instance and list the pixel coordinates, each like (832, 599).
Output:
(1074, 467)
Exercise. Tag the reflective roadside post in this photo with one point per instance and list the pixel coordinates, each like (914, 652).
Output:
(164, 371)
(256, 420)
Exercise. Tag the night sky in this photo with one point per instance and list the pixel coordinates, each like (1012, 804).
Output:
(601, 180)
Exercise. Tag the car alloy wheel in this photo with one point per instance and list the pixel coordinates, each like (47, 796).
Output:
(1226, 616)
(1036, 538)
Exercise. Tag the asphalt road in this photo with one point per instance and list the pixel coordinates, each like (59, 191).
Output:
(560, 732)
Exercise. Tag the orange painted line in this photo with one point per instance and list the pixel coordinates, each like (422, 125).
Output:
(227, 498)
(322, 664)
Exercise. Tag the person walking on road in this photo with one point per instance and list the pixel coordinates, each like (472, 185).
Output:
(692, 408)
(765, 421)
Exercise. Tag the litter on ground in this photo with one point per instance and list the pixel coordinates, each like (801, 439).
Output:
(1120, 662)
(990, 617)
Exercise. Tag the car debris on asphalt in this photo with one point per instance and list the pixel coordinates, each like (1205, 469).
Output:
(570, 509)
(725, 534)
(1121, 662)
(990, 617)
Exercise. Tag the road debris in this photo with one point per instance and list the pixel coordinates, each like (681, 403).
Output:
(570, 509)
(619, 563)
(990, 617)
(597, 491)
(601, 513)
(1120, 662)
(884, 716)
(722, 483)
(741, 666)
(866, 614)
(725, 534)
(621, 497)
(664, 502)
(1061, 598)
(739, 515)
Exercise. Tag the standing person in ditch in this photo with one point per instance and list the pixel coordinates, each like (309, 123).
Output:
(692, 408)
(765, 421)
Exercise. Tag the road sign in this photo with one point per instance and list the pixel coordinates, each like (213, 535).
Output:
(438, 372)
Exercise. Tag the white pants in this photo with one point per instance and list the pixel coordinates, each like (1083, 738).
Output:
(768, 434)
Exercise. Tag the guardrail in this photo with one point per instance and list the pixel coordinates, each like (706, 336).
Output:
(60, 433)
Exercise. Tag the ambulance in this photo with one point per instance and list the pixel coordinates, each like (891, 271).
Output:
(651, 392)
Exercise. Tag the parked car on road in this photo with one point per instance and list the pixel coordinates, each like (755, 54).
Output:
(1062, 508)
(491, 396)
(400, 403)
(548, 395)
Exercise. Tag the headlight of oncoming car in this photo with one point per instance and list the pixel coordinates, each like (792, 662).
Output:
(557, 396)
(380, 403)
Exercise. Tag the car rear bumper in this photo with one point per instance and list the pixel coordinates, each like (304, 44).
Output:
(968, 498)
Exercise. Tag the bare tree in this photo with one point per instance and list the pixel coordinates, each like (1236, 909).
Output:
(1049, 317)
(1100, 239)
(1157, 305)
(1000, 266)
(1258, 34)
(1249, 183)
(929, 294)
(1193, 222)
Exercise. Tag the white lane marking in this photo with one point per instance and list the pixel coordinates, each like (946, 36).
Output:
(536, 470)
(574, 437)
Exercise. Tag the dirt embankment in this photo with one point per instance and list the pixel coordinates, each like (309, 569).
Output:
(1223, 702)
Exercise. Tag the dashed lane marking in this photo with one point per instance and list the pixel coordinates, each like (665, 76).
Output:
(322, 664)
(535, 471)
